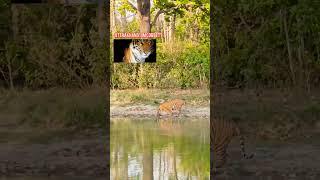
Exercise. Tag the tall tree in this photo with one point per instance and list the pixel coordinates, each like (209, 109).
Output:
(142, 8)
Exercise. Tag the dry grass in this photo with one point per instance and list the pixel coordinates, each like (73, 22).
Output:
(273, 113)
(194, 97)
(54, 108)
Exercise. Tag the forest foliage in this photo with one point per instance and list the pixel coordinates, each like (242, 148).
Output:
(183, 53)
(256, 43)
(267, 43)
(48, 46)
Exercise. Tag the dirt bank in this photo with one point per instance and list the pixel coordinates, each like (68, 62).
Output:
(148, 110)
(274, 160)
(82, 157)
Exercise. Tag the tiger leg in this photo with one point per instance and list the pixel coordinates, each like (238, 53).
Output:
(179, 112)
(246, 156)
(213, 168)
(174, 109)
(220, 156)
(158, 115)
(171, 113)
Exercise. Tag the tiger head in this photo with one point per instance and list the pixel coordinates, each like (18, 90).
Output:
(142, 48)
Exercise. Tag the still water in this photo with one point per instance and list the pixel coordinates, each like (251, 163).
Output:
(165, 150)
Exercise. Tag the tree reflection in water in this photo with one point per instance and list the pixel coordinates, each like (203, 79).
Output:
(168, 149)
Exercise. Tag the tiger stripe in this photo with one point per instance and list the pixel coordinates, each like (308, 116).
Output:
(221, 134)
(170, 106)
(138, 51)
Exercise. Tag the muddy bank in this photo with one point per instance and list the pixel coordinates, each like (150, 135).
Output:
(148, 110)
(82, 157)
(290, 160)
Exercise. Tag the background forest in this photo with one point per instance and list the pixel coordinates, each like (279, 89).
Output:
(267, 74)
(267, 65)
(267, 43)
(53, 76)
(53, 65)
(183, 57)
(44, 46)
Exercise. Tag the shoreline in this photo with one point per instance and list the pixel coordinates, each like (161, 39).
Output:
(151, 111)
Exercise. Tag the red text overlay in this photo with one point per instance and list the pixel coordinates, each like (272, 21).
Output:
(137, 35)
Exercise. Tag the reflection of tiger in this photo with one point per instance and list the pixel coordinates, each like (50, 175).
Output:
(138, 51)
(171, 106)
(221, 133)
(169, 127)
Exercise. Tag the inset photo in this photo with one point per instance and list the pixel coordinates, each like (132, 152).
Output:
(134, 50)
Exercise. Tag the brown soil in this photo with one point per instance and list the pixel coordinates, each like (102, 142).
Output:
(151, 111)
(81, 157)
(274, 160)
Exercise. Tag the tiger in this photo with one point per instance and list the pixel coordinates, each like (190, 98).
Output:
(221, 133)
(138, 51)
(171, 106)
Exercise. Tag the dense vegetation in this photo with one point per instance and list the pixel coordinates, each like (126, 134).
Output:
(256, 43)
(44, 46)
(47, 52)
(183, 58)
(267, 43)
(179, 65)
(267, 53)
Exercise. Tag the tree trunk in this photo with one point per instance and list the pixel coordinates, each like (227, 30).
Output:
(15, 29)
(125, 165)
(10, 74)
(140, 74)
(123, 22)
(175, 164)
(165, 32)
(14, 18)
(289, 47)
(159, 26)
(162, 34)
(160, 153)
(102, 20)
(144, 15)
(301, 69)
(191, 34)
(148, 164)
(172, 27)
(145, 24)
(196, 33)
(112, 17)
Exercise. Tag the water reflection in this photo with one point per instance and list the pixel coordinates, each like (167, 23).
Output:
(168, 149)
